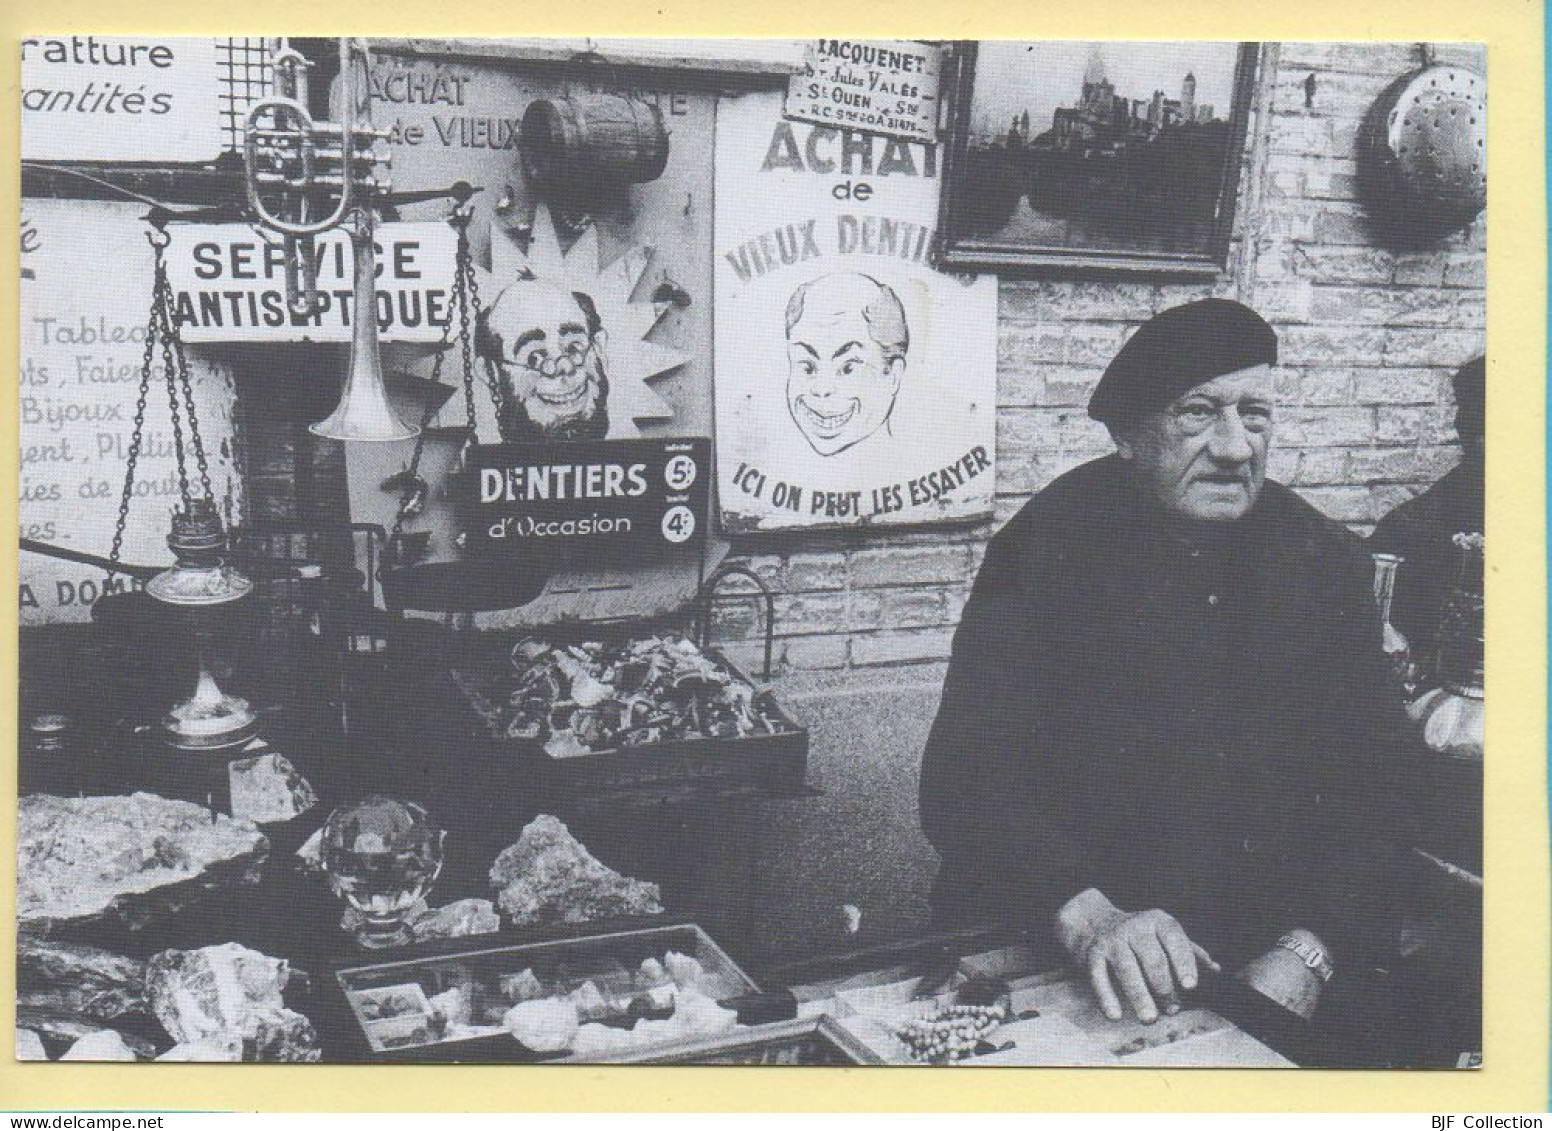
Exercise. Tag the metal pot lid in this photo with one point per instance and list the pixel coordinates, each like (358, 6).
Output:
(1436, 134)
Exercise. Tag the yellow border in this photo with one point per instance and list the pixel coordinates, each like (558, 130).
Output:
(1515, 1078)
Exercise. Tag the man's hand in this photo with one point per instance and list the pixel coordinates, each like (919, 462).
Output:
(1146, 953)
(1281, 975)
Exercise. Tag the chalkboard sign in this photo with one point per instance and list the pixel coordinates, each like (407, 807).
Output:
(594, 497)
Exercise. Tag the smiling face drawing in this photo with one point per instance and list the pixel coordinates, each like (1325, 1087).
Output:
(846, 353)
(547, 345)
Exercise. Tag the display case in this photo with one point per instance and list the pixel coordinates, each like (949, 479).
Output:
(769, 756)
(814, 1042)
(606, 996)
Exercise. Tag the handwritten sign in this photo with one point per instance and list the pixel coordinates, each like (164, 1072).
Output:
(885, 87)
(85, 295)
(855, 383)
(229, 284)
(114, 98)
(595, 495)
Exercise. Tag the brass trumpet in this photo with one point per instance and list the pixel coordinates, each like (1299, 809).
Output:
(306, 177)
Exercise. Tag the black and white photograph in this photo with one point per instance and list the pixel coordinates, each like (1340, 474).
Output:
(1099, 155)
(752, 552)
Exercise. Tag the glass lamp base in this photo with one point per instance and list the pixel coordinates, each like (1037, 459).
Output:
(376, 935)
(222, 732)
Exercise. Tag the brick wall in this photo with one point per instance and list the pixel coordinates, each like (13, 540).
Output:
(1369, 338)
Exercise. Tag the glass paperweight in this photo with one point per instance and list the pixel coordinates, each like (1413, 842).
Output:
(382, 856)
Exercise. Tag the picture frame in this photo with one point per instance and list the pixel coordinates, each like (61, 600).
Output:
(1107, 178)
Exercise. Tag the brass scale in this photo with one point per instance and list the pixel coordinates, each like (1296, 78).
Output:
(303, 178)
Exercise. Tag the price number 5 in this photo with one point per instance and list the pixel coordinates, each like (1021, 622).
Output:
(679, 473)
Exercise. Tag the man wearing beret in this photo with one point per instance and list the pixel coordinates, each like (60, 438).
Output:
(1164, 741)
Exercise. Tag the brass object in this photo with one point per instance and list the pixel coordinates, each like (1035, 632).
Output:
(208, 719)
(306, 177)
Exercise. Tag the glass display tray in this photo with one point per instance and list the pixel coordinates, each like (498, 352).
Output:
(821, 1041)
(449, 1006)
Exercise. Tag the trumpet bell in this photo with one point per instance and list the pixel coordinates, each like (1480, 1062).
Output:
(364, 413)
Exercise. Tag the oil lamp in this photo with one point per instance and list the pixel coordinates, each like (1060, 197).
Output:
(208, 719)
(201, 581)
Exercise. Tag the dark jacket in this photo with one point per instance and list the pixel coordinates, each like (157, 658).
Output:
(1200, 729)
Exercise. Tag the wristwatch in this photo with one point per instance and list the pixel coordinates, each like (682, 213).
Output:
(1313, 954)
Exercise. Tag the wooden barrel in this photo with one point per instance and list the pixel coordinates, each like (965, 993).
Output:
(569, 142)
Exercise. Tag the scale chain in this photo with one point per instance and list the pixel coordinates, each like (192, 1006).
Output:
(461, 222)
(172, 386)
(147, 364)
(465, 298)
(161, 330)
(187, 383)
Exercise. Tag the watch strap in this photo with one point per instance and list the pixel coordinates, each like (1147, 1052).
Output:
(1313, 956)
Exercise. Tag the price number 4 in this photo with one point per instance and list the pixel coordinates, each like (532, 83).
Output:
(678, 524)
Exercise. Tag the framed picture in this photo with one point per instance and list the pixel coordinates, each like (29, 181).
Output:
(1068, 157)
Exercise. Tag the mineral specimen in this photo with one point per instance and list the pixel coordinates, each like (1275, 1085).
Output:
(229, 991)
(456, 920)
(59, 1031)
(579, 698)
(544, 1025)
(218, 989)
(548, 877)
(285, 1036)
(206, 1050)
(695, 1017)
(104, 1044)
(310, 856)
(80, 857)
(684, 969)
(66, 978)
(29, 1046)
(266, 788)
(452, 1005)
(521, 987)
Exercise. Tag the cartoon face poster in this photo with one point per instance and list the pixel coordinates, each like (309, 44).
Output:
(855, 384)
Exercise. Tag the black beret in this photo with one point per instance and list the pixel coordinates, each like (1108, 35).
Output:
(1177, 350)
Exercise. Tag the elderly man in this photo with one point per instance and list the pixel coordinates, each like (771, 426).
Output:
(1164, 735)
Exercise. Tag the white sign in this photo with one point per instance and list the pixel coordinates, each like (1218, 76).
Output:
(855, 384)
(229, 284)
(887, 87)
(114, 98)
(86, 281)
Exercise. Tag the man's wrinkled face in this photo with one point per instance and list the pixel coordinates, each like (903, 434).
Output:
(550, 364)
(840, 386)
(1204, 455)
